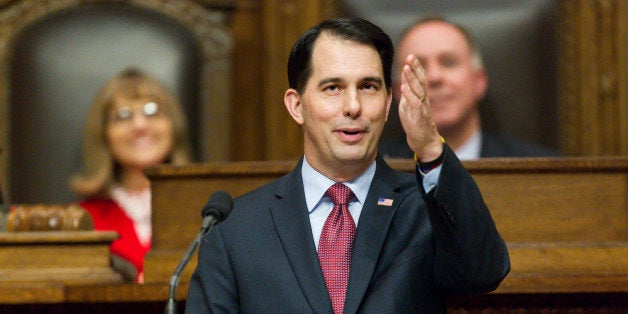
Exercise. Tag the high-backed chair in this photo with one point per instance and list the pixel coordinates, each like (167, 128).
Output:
(56, 55)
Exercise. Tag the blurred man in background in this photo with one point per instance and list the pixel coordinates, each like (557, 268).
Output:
(457, 82)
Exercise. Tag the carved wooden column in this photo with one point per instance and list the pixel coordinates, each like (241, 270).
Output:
(593, 104)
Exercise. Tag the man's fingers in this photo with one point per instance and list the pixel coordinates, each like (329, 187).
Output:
(416, 79)
(421, 77)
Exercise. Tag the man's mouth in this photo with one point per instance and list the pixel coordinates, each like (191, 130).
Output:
(351, 135)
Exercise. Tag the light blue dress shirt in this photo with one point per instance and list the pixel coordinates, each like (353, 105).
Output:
(319, 206)
(472, 148)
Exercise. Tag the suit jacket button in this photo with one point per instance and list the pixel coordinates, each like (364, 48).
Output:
(451, 217)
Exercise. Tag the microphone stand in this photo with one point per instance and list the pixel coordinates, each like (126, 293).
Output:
(174, 279)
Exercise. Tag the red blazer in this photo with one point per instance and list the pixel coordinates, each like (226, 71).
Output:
(108, 216)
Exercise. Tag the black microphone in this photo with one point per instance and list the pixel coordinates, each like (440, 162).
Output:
(216, 210)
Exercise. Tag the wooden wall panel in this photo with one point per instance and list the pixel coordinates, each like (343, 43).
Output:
(248, 83)
(264, 32)
(593, 77)
(284, 21)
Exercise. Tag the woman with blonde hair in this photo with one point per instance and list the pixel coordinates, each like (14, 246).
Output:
(133, 123)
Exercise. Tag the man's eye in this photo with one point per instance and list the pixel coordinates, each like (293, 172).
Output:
(449, 62)
(331, 88)
(370, 87)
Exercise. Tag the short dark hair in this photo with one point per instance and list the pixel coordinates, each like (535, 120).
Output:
(353, 29)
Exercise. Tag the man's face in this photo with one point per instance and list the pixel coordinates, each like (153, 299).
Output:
(455, 84)
(344, 106)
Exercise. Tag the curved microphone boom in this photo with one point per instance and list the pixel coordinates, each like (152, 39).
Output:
(216, 210)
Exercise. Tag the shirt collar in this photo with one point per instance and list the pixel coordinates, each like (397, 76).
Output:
(471, 149)
(315, 184)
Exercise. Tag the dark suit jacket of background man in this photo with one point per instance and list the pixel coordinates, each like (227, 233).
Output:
(407, 257)
(492, 146)
(393, 143)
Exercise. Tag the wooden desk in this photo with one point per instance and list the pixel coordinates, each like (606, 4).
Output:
(55, 258)
(152, 297)
(88, 298)
(565, 222)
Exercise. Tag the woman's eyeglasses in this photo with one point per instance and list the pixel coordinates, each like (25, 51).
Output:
(126, 113)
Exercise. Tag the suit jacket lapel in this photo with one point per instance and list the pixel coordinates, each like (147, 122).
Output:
(292, 223)
(371, 233)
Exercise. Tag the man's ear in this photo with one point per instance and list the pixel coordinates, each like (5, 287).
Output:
(481, 83)
(292, 100)
(388, 102)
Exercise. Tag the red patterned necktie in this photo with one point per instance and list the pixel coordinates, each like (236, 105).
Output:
(336, 245)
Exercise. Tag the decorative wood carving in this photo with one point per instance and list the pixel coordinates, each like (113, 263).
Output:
(43, 217)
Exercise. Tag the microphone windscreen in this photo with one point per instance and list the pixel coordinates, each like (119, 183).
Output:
(219, 205)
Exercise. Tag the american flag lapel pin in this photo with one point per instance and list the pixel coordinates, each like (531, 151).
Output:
(385, 201)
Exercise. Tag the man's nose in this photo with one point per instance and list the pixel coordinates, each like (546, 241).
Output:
(353, 106)
(434, 74)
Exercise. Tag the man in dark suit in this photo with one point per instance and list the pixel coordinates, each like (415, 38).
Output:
(491, 145)
(292, 246)
(457, 82)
